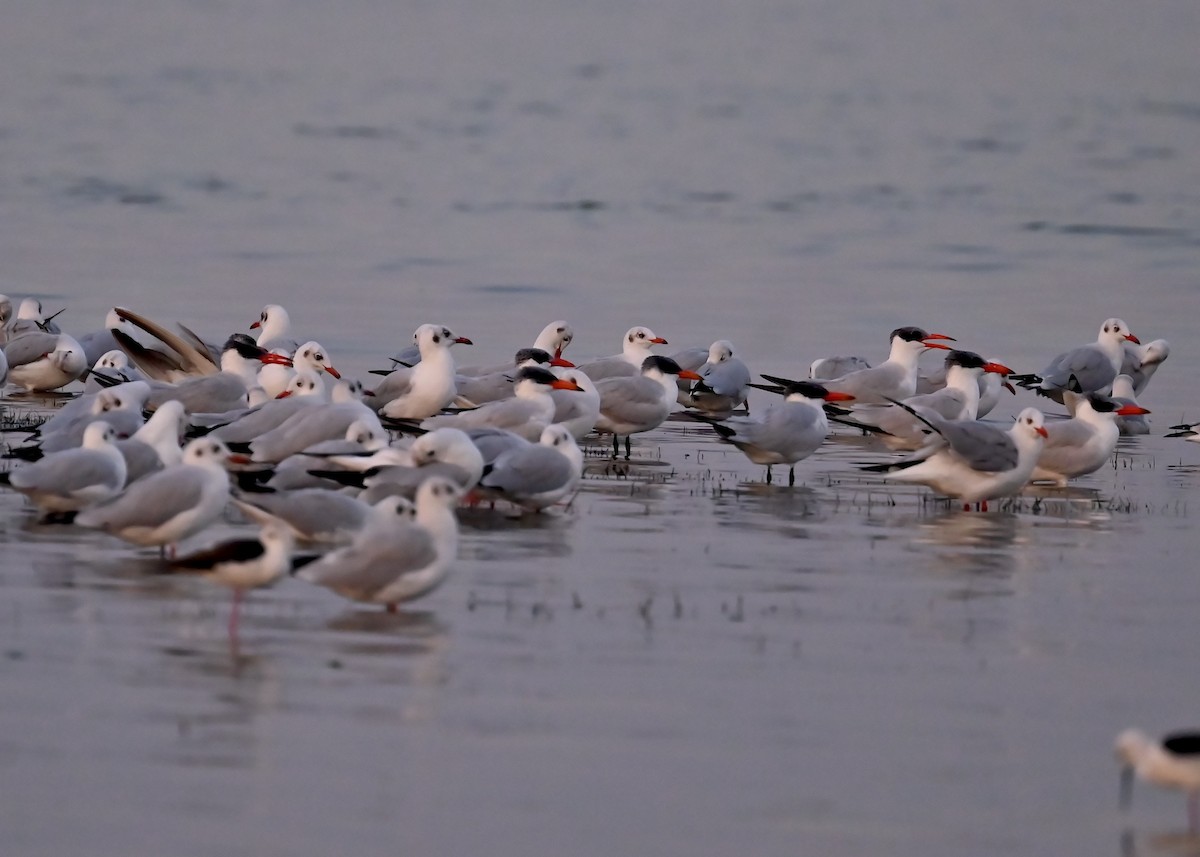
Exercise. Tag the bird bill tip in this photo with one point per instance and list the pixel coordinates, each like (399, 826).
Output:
(658, 340)
(283, 395)
(462, 340)
(1042, 431)
(838, 396)
(690, 375)
(564, 384)
(561, 362)
(238, 458)
(939, 336)
(335, 373)
(1130, 337)
(1131, 411)
(256, 325)
(997, 368)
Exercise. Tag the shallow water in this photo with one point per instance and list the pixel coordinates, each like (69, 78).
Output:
(686, 660)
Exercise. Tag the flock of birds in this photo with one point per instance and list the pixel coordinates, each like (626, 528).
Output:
(170, 430)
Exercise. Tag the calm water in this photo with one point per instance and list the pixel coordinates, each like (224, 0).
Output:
(686, 661)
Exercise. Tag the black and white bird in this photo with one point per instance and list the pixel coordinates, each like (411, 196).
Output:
(1172, 762)
(243, 564)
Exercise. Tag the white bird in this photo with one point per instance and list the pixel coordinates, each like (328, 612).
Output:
(635, 348)
(1140, 362)
(446, 452)
(311, 356)
(120, 407)
(113, 366)
(41, 362)
(526, 413)
(639, 404)
(273, 326)
(724, 381)
(360, 437)
(74, 479)
(168, 506)
(1090, 368)
(243, 564)
(895, 378)
(973, 461)
(1083, 443)
(305, 390)
(156, 444)
(1172, 762)
(426, 388)
(787, 431)
(957, 399)
(395, 558)
(538, 475)
(320, 422)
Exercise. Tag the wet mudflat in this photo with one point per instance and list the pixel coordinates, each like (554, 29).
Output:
(685, 660)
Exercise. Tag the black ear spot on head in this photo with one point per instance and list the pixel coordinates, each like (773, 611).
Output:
(436, 338)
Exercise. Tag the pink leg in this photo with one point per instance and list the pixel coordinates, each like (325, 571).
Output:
(233, 616)
(984, 506)
(966, 507)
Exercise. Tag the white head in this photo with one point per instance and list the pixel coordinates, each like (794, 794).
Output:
(109, 360)
(306, 383)
(437, 491)
(393, 508)
(366, 435)
(272, 319)
(208, 452)
(31, 309)
(312, 356)
(1116, 331)
(555, 337)
(99, 434)
(432, 338)
(639, 339)
(720, 351)
(1030, 427)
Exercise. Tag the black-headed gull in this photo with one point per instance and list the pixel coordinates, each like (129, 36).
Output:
(1087, 369)
(724, 381)
(74, 479)
(41, 362)
(536, 475)
(1140, 362)
(635, 348)
(168, 506)
(972, 461)
(395, 558)
(423, 390)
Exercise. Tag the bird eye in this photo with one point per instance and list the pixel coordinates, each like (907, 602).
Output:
(446, 333)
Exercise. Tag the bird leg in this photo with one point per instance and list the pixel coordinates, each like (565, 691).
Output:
(792, 476)
(768, 474)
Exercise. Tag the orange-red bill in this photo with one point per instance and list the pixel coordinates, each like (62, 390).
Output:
(462, 340)
(335, 373)
(1130, 410)
(565, 384)
(997, 368)
(929, 344)
(238, 458)
(256, 325)
(1133, 338)
(561, 362)
(284, 394)
(689, 374)
(1042, 431)
(837, 396)
(658, 340)
(279, 359)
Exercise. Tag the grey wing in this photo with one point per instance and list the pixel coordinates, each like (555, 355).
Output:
(66, 472)
(141, 459)
(983, 447)
(29, 347)
(691, 358)
(633, 397)
(529, 471)
(394, 385)
(152, 501)
(728, 378)
(374, 561)
(1089, 366)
